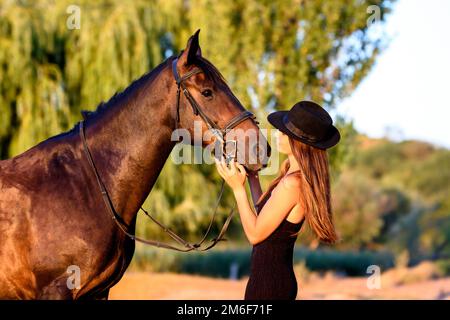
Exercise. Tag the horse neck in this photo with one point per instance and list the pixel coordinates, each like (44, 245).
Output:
(130, 140)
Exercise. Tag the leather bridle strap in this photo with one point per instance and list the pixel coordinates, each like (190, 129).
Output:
(216, 130)
(255, 187)
(238, 119)
(124, 228)
(220, 135)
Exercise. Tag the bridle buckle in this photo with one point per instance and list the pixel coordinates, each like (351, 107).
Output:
(230, 150)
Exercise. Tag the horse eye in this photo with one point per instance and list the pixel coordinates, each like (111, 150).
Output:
(207, 93)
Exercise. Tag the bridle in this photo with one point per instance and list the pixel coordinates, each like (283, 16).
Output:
(220, 136)
(215, 129)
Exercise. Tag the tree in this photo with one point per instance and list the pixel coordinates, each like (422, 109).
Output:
(413, 177)
(357, 209)
(273, 53)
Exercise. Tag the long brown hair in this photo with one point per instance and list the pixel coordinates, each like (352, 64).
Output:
(315, 195)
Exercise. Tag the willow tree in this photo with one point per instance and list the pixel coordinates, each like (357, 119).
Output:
(273, 53)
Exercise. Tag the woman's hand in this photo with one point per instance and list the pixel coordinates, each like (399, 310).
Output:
(234, 176)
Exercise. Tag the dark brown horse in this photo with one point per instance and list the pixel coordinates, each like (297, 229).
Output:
(52, 215)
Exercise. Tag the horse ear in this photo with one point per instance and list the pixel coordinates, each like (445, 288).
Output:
(85, 114)
(192, 50)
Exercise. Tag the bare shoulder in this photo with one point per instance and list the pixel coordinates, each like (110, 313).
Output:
(291, 182)
(288, 186)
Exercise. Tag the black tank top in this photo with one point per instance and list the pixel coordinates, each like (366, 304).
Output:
(271, 268)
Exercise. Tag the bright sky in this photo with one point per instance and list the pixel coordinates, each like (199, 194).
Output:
(408, 88)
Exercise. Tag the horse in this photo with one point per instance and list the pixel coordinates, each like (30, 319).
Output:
(52, 215)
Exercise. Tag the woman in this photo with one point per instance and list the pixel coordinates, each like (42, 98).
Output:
(300, 192)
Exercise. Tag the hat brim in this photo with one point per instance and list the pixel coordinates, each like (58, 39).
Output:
(332, 138)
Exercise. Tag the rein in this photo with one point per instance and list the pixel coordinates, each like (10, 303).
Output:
(220, 134)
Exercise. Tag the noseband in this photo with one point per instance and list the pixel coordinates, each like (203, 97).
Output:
(217, 132)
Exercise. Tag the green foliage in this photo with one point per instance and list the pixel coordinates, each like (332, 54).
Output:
(217, 263)
(357, 209)
(352, 263)
(433, 180)
(434, 239)
(185, 203)
(273, 54)
(414, 178)
(444, 266)
(343, 153)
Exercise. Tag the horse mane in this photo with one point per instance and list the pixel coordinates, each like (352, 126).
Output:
(118, 95)
(211, 72)
(209, 69)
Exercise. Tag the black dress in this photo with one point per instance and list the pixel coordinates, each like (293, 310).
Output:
(271, 270)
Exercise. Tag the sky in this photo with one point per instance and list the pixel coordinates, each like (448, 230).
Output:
(406, 94)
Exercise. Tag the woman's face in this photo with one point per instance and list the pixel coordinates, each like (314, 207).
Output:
(283, 145)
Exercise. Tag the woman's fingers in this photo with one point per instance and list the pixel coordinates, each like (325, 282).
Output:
(220, 168)
(241, 168)
(225, 166)
(232, 167)
(236, 167)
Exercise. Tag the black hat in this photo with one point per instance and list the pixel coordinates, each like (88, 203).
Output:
(307, 122)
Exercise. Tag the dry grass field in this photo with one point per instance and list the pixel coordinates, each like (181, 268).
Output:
(171, 286)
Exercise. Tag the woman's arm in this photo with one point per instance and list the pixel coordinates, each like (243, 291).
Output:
(246, 213)
(283, 198)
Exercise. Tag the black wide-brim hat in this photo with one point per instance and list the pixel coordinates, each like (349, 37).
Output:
(308, 122)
